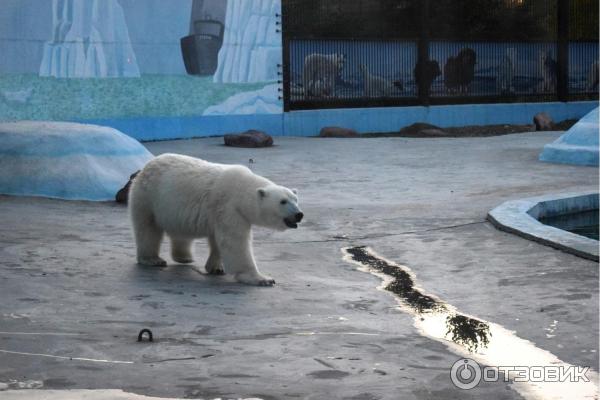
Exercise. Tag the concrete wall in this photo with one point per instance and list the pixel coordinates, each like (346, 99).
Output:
(161, 101)
(119, 59)
(391, 119)
(309, 123)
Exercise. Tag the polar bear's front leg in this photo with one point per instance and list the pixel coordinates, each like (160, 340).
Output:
(214, 265)
(235, 248)
(181, 250)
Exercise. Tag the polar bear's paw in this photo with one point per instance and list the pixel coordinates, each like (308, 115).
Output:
(152, 261)
(214, 266)
(183, 259)
(266, 281)
(215, 270)
(255, 279)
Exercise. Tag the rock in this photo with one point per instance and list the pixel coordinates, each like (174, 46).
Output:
(543, 122)
(418, 130)
(337, 132)
(432, 132)
(123, 194)
(251, 138)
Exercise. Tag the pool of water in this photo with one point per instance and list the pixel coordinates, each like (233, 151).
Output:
(481, 342)
(583, 223)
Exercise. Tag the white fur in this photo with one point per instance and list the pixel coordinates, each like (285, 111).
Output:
(506, 72)
(376, 86)
(189, 198)
(320, 72)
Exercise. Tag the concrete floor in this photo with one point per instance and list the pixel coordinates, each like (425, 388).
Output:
(67, 270)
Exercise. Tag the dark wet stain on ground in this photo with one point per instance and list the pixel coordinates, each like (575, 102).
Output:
(328, 374)
(577, 296)
(402, 286)
(361, 305)
(95, 294)
(363, 396)
(58, 383)
(151, 324)
(468, 332)
(236, 376)
(32, 300)
(89, 368)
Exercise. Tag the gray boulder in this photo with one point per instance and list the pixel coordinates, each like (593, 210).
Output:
(337, 132)
(122, 195)
(249, 139)
(543, 122)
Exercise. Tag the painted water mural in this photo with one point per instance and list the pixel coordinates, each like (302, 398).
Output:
(107, 59)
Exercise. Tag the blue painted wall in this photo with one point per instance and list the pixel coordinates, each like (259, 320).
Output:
(307, 123)
(25, 25)
(165, 103)
(364, 120)
(122, 59)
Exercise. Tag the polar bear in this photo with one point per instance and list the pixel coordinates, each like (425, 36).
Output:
(376, 86)
(189, 198)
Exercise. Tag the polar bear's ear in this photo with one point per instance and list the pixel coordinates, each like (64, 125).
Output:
(262, 193)
(295, 191)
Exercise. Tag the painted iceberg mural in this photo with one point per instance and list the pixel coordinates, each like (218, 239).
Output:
(90, 40)
(67, 160)
(579, 145)
(251, 46)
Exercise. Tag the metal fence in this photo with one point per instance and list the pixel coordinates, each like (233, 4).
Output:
(365, 53)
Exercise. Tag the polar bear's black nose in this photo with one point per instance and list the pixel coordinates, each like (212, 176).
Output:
(299, 217)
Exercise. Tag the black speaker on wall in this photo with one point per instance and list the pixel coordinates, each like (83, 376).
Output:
(200, 50)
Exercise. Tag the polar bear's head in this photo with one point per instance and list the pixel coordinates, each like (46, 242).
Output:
(278, 207)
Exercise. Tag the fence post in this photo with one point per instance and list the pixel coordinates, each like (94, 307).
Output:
(423, 53)
(563, 50)
(283, 69)
(285, 78)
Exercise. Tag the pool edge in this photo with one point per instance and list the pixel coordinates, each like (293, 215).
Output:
(513, 217)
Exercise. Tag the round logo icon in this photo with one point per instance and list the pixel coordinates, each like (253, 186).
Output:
(465, 374)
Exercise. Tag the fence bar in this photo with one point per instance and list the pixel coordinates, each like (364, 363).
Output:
(562, 81)
(423, 52)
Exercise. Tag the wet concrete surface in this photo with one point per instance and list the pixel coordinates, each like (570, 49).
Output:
(68, 275)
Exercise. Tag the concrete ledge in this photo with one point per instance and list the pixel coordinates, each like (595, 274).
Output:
(363, 120)
(168, 128)
(570, 154)
(391, 119)
(579, 145)
(520, 217)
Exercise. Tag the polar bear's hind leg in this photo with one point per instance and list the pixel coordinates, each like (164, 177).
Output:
(148, 237)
